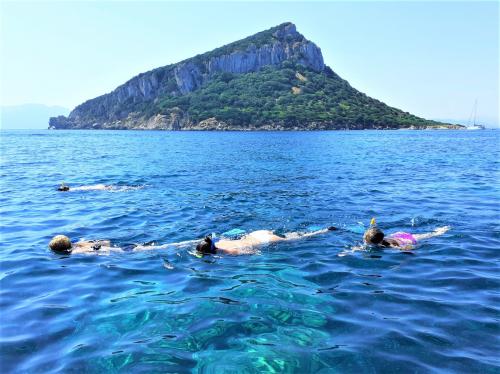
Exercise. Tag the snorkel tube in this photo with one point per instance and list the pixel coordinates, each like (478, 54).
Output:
(373, 235)
(213, 240)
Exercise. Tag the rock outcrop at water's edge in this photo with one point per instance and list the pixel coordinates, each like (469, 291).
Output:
(251, 84)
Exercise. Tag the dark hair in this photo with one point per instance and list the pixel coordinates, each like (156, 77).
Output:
(373, 236)
(206, 246)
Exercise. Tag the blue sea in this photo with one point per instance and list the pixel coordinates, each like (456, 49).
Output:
(308, 306)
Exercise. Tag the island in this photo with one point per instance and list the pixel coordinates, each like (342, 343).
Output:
(273, 80)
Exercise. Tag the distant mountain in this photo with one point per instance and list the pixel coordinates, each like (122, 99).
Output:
(28, 116)
(273, 80)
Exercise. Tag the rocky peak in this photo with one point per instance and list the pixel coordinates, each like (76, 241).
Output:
(286, 30)
(271, 47)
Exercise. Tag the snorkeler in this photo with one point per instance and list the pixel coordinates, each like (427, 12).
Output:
(63, 187)
(210, 245)
(401, 240)
(248, 243)
(62, 244)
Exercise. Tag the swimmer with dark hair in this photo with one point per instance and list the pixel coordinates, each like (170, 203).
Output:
(63, 187)
(401, 240)
(249, 242)
(94, 187)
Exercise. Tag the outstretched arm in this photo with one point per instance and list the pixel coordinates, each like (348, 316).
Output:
(297, 235)
(437, 232)
(148, 247)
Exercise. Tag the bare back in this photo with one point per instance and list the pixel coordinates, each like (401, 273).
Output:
(94, 247)
(248, 242)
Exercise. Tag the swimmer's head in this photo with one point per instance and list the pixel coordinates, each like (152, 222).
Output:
(206, 246)
(63, 187)
(373, 236)
(60, 243)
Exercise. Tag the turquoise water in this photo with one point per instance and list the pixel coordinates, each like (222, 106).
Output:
(310, 306)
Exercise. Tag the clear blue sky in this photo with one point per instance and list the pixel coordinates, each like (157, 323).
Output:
(432, 59)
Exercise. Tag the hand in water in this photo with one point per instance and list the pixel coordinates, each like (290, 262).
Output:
(442, 230)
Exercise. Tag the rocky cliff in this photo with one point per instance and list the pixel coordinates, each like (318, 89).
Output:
(160, 99)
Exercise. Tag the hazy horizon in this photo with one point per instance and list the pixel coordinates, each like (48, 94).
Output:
(430, 59)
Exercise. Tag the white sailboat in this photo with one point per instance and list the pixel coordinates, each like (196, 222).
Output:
(474, 126)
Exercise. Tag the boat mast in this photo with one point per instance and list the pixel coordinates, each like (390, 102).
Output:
(475, 112)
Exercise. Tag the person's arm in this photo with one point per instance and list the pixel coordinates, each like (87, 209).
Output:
(148, 247)
(427, 235)
(297, 235)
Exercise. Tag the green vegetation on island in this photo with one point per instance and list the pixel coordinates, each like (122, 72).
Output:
(290, 95)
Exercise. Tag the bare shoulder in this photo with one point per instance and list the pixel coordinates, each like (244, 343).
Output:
(90, 243)
(389, 242)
